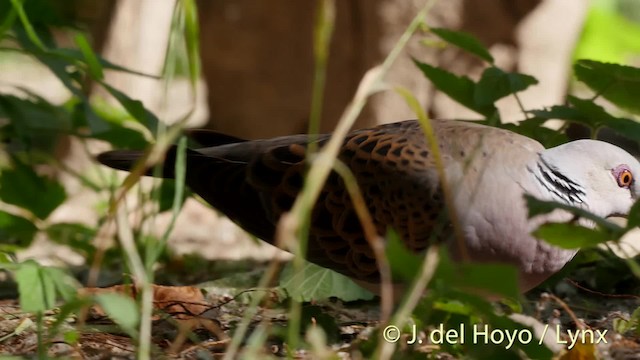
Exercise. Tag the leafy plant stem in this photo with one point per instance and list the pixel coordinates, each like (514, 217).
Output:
(322, 39)
(251, 311)
(430, 137)
(293, 225)
(136, 265)
(17, 6)
(323, 30)
(42, 353)
(521, 106)
(429, 264)
(372, 237)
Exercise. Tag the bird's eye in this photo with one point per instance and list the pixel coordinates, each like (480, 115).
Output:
(624, 177)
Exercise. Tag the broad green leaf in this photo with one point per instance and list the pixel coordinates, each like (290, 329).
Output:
(65, 285)
(317, 283)
(34, 116)
(495, 279)
(108, 125)
(562, 112)
(166, 195)
(617, 83)
(16, 231)
(135, 108)
(591, 112)
(123, 138)
(404, 263)
(453, 306)
(21, 186)
(75, 235)
(464, 41)
(121, 309)
(592, 115)
(570, 236)
(534, 128)
(498, 279)
(539, 207)
(37, 293)
(496, 84)
(459, 88)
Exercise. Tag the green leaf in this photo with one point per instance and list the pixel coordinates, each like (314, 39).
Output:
(59, 66)
(480, 278)
(95, 69)
(6, 260)
(121, 309)
(616, 83)
(562, 112)
(453, 306)
(539, 207)
(459, 88)
(633, 219)
(135, 108)
(497, 279)
(404, 264)
(534, 128)
(75, 235)
(8, 20)
(167, 196)
(316, 283)
(65, 285)
(592, 115)
(77, 55)
(34, 123)
(496, 84)
(464, 41)
(192, 40)
(37, 294)
(570, 236)
(106, 124)
(24, 19)
(21, 186)
(16, 230)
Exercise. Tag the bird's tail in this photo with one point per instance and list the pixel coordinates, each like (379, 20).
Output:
(128, 159)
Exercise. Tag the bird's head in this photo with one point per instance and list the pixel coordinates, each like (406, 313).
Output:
(604, 177)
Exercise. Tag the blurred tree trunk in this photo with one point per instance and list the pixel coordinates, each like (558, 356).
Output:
(258, 61)
(258, 64)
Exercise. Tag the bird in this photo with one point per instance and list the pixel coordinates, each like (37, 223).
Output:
(487, 169)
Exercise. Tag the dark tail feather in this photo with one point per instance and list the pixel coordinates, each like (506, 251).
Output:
(209, 138)
(120, 159)
(127, 159)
